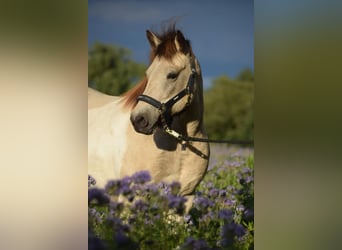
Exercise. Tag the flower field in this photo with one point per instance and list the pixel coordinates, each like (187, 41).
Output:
(142, 215)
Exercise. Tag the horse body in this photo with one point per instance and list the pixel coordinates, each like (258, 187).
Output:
(126, 136)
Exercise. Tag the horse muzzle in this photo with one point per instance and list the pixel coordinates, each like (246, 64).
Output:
(142, 124)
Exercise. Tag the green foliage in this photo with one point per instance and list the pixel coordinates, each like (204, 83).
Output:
(110, 69)
(246, 75)
(228, 112)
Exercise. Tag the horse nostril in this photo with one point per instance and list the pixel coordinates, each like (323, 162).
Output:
(140, 121)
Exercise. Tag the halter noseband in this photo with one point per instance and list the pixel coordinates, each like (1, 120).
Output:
(165, 108)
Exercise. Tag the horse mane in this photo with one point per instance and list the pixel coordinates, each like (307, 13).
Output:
(166, 49)
(130, 97)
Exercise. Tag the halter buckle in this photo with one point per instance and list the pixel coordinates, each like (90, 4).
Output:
(176, 135)
(162, 109)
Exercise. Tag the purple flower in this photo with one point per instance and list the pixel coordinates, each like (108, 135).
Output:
(232, 163)
(229, 202)
(208, 217)
(246, 170)
(193, 244)
(203, 203)
(141, 177)
(209, 185)
(122, 241)
(94, 243)
(117, 223)
(225, 214)
(126, 181)
(228, 231)
(248, 214)
(125, 190)
(140, 206)
(151, 189)
(164, 188)
(213, 193)
(177, 203)
(175, 187)
(94, 214)
(91, 181)
(188, 219)
(117, 187)
(222, 193)
(237, 153)
(249, 179)
(227, 235)
(239, 230)
(112, 187)
(96, 195)
(116, 206)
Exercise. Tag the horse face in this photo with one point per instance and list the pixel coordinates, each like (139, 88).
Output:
(166, 78)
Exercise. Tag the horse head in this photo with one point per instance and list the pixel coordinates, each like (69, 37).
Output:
(170, 81)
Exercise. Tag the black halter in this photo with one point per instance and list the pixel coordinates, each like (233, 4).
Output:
(166, 117)
(165, 108)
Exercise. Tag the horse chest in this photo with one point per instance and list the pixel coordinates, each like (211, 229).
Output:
(143, 154)
(106, 145)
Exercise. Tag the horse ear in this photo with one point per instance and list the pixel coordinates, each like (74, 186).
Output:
(153, 39)
(179, 41)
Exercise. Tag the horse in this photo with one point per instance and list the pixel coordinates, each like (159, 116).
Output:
(140, 130)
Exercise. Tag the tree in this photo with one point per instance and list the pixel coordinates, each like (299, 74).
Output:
(111, 70)
(246, 75)
(228, 112)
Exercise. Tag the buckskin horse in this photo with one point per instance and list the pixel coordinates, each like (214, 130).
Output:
(144, 129)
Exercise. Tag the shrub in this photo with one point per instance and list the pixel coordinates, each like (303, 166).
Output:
(228, 109)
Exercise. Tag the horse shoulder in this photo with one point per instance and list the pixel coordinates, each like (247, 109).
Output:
(106, 141)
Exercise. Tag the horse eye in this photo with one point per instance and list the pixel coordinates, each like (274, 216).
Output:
(172, 75)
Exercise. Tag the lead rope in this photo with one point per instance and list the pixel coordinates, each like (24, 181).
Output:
(184, 139)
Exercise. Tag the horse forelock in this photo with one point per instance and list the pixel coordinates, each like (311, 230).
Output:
(167, 47)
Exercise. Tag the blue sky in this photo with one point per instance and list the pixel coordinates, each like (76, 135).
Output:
(221, 31)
